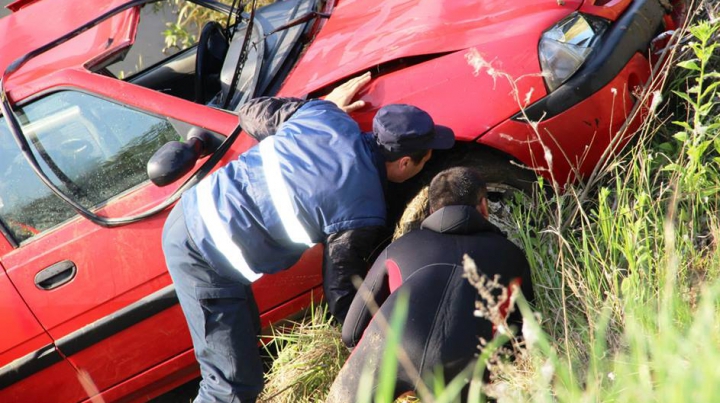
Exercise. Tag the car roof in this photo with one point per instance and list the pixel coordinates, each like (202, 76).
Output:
(41, 22)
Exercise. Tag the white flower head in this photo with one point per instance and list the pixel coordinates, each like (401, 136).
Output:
(548, 155)
(547, 371)
(656, 100)
(530, 335)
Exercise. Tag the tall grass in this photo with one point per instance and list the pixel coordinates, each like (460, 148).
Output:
(627, 273)
(307, 358)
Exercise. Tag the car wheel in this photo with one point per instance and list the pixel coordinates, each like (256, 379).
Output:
(508, 184)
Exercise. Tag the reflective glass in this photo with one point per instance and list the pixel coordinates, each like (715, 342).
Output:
(91, 148)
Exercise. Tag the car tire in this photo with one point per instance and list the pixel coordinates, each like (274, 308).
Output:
(505, 179)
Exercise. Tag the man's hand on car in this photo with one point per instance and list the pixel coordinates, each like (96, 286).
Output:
(343, 94)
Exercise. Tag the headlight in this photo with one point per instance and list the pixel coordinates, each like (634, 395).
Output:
(564, 47)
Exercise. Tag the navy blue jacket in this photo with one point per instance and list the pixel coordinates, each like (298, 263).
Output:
(318, 175)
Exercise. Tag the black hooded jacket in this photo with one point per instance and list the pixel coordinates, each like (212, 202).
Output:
(441, 329)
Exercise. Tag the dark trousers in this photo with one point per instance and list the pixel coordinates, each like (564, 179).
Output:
(222, 316)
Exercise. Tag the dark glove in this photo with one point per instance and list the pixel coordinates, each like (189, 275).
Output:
(348, 254)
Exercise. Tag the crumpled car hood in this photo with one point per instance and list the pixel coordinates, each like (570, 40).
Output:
(362, 34)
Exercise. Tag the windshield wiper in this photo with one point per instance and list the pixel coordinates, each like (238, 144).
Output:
(243, 57)
(299, 20)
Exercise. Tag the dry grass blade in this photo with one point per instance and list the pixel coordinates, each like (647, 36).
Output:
(309, 358)
(415, 212)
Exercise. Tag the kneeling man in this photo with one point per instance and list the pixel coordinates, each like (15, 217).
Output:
(441, 331)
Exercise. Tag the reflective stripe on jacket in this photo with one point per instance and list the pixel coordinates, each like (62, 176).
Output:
(316, 176)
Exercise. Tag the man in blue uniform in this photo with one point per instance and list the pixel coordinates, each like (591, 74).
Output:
(314, 177)
(441, 330)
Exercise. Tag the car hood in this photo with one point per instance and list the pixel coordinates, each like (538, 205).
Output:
(361, 35)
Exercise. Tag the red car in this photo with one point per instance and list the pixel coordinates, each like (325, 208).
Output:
(88, 308)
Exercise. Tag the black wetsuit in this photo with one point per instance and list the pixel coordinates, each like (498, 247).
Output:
(441, 329)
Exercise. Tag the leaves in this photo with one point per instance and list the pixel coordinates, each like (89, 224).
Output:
(681, 136)
(689, 65)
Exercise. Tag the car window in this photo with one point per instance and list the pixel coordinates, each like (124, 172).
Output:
(166, 28)
(170, 54)
(91, 148)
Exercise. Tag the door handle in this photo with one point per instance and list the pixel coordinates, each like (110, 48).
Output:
(55, 275)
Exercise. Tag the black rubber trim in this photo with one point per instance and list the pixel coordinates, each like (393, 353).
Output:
(631, 33)
(6, 233)
(118, 321)
(28, 365)
(87, 336)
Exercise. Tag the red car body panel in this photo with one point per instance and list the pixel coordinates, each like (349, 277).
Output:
(22, 335)
(157, 380)
(59, 383)
(27, 335)
(611, 9)
(486, 100)
(575, 153)
(29, 30)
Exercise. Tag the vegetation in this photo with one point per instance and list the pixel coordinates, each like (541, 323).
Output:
(185, 30)
(626, 265)
(310, 354)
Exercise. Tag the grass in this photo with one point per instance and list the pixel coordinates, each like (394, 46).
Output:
(309, 356)
(626, 265)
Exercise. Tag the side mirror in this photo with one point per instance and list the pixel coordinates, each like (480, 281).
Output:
(175, 159)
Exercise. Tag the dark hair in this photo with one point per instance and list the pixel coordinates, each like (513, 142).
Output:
(456, 186)
(415, 156)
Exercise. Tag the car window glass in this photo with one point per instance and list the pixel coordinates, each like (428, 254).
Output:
(166, 28)
(91, 148)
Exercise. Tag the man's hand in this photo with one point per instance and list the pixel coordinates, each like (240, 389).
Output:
(343, 94)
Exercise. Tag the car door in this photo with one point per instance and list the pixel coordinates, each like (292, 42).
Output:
(31, 368)
(103, 293)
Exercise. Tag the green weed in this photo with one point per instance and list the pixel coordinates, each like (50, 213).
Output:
(627, 272)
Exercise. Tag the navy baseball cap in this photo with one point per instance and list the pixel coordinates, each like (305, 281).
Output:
(403, 129)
